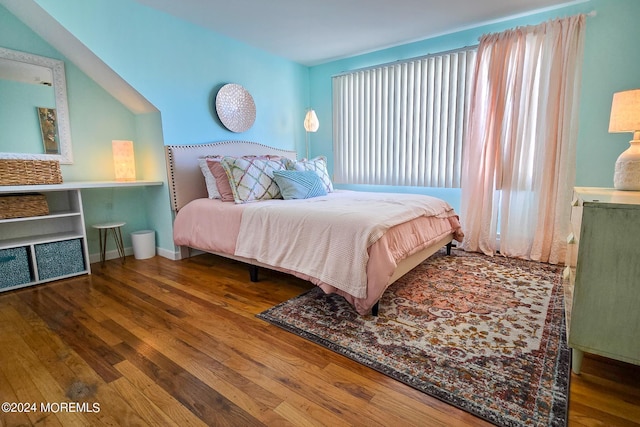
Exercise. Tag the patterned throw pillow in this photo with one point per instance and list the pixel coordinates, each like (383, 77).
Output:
(251, 178)
(299, 184)
(318, 165)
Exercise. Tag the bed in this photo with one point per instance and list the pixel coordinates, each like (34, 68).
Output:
(331, 239)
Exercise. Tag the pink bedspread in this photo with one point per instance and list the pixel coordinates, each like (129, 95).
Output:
(213, 226)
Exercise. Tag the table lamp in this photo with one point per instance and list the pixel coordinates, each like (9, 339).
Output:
(625, 117)
(124, 162)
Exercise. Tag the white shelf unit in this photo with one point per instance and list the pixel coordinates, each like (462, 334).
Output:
(52, 246)
(55, 244)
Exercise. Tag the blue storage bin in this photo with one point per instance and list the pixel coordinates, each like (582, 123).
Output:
(58, 259)
(15, 268)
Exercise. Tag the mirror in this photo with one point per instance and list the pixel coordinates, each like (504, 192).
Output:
(34, 113)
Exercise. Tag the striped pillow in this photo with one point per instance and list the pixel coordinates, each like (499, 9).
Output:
(299, 184)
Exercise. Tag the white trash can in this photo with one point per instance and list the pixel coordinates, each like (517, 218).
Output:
(144, 244)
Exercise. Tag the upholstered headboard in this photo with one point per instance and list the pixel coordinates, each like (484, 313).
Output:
(186, 182)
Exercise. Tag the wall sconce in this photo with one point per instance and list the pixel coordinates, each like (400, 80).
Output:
(625, 117)
(124, 162)
(311, 124)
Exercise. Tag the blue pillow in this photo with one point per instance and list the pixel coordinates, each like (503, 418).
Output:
(299, 184)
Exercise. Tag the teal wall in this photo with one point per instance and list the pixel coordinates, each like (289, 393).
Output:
(610, 65)
(96, 118)
(179, 68)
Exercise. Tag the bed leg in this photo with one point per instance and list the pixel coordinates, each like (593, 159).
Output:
(449, 245)
(253, 273)
(375, 308)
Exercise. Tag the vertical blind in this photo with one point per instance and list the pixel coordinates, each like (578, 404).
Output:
(403, 123)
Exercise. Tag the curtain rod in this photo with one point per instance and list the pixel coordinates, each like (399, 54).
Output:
(400, 61)
(591, 14)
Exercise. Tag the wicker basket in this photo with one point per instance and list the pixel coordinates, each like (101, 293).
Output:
(29, 172)
(23, 205)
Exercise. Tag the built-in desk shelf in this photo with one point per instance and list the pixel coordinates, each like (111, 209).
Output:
(43, 248)
(75, 185)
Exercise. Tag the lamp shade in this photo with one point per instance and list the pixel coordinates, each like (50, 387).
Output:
(625, 117)
(311, 123)
(625, 111)
(124, 162)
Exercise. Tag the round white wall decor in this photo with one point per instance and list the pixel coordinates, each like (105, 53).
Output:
(235, 107)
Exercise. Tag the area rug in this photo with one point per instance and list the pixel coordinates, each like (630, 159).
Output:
(486, 334)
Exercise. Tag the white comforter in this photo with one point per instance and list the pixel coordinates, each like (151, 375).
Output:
(332, 247)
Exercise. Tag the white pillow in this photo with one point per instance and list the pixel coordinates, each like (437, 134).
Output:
(209, 180)
(318, 165)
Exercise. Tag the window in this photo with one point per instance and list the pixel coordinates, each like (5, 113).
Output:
(403, 123)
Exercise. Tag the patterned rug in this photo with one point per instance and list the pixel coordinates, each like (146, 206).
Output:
(486, 334)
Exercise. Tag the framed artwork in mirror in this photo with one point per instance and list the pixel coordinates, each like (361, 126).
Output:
(49, 130)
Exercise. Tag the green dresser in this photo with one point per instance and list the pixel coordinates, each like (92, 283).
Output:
(602, 277)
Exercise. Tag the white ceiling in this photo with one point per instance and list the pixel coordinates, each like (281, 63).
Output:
(313, 32)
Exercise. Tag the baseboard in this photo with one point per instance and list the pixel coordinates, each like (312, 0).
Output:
(113, 254)
(172, 255)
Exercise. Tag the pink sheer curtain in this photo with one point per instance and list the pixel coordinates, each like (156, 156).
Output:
(519, 156)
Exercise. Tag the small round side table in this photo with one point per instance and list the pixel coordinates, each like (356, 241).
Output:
(103, 232)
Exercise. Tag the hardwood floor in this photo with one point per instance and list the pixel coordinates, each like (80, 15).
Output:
(158, 342)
